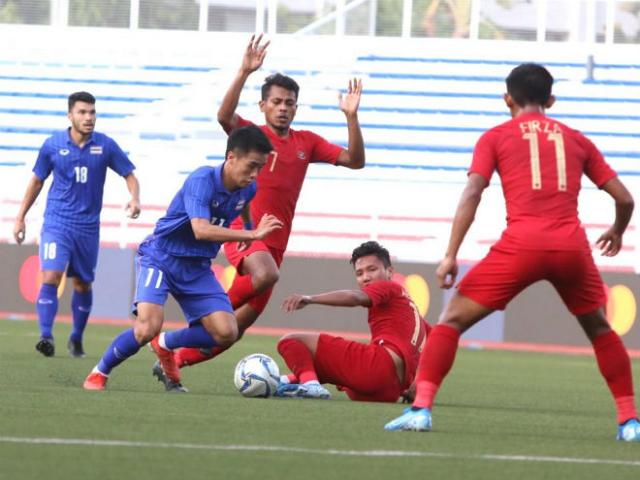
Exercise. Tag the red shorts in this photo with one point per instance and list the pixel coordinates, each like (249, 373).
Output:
(365, 372)
(235, 257)
(506, 271)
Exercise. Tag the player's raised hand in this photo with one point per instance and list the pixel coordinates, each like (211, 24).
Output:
(133, 208)
(610, 243)
(350, 101)
(268, 223)
(295, 302)
(447, 272)
(254, 54)
(19, 230)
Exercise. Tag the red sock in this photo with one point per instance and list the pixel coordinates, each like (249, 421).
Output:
(292, 378)
(298, 358)
(615, 367)
(259, 302)
(241, 291)
(435, 362)
(191, 356)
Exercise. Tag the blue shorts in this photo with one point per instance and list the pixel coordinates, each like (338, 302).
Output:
(190, 280)
(78, 251)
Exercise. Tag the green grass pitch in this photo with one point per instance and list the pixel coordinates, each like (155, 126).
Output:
(499, 415)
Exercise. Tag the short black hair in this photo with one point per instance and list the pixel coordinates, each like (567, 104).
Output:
(529, 83)
(279, 80)
(81, 97)
(248, 139)
(371, 248)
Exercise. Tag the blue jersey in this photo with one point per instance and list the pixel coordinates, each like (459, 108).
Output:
(202, 196)
(75, 197)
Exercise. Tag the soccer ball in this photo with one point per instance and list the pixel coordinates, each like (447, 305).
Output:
(257, 375)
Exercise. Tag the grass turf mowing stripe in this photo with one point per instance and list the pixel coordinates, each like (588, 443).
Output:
(313, 451)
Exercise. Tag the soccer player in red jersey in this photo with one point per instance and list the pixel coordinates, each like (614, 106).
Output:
(377, 372)
(279, 184)
(540, 162)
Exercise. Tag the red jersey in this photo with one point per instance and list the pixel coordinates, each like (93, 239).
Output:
(280, 180)
(395, 322)
(540, 162)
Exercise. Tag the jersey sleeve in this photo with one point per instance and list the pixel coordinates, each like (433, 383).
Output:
(322, 150)
(197, 198)
(381, 292)
(484, 156)
(118, 160)
(242, 122)
(43, 167)
(596, 167)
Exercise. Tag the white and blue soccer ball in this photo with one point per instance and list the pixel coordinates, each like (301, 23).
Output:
(257, 375)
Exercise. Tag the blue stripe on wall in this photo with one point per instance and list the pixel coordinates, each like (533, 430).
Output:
(92, 81)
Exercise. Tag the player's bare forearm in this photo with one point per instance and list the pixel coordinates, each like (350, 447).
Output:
(354, 156)
(341, 298)
(355, 149)
(251, 61)
(465, 212)
(133, 186)
(133, 206)
(33, 190)
(203, 230)
(34, 187)
(610, 242)
(338, 298)
(227, 117)
(624, 204)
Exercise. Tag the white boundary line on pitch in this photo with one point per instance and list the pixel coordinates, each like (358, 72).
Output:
(345, 453)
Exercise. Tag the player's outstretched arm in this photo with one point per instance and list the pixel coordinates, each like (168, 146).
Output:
(610, 242)
(465, 214)
(203, 230)
(338, 298)
(251, 61)
(354, 156)
(34, 187)
(133, 205)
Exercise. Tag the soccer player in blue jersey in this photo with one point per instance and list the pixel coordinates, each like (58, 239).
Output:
(176, 259)
(70, 237)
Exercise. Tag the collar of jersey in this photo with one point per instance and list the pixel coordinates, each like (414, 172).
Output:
(70, 142)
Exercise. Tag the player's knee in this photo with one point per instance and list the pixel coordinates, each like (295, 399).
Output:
(226, 335)
(81, 286)
(52, 277)
(286, 340)
(453, 319)
(265, 279)
(145, 331)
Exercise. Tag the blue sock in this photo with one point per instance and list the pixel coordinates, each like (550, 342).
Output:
(195, 336)
(123, 347)
(80, 307)
(47, 307)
